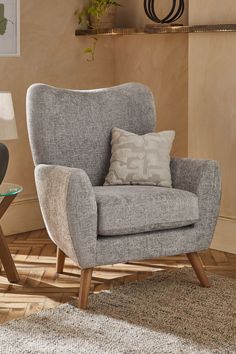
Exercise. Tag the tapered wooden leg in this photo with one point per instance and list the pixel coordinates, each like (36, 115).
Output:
(85, 281)
(195, 261)
(60, 261)
(7, 261)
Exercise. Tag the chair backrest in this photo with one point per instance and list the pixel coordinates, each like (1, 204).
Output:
(73, 128)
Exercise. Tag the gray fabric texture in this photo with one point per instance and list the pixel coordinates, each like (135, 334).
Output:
(201, 177)
(69, 210)
(126, 210)
(73, 128)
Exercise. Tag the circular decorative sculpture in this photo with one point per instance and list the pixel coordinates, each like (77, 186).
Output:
(175, 13)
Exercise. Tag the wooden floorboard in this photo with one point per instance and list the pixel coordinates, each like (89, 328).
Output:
(41, 288)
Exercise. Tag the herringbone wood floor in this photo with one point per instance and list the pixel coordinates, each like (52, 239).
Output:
(41, 288)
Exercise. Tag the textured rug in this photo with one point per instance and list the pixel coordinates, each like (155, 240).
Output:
(169, 313)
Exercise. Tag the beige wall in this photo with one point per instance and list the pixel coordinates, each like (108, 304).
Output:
(159, 61)
(211, 12)
(50, 53)
(212, 105)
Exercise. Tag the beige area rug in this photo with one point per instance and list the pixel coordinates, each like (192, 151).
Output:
(169, 313)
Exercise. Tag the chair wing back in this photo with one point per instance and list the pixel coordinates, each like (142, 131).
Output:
(73, 128)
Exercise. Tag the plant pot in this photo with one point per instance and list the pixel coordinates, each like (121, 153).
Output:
(107, 21)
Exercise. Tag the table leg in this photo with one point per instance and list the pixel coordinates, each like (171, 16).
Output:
(5, 203)
(7, 260)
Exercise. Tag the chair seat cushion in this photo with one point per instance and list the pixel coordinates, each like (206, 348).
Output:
(125, 210)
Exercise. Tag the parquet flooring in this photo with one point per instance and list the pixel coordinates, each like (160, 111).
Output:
(41, 288)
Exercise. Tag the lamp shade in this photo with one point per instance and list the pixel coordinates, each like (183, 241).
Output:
(8, 129)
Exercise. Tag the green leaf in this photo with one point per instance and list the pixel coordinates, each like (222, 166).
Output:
(88, 50)
(96, 8)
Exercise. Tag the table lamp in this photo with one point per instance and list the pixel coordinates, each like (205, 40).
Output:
(8, 129)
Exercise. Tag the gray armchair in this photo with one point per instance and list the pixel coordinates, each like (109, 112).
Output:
(94, 224)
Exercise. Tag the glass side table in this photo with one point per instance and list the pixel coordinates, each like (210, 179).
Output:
(8, 192)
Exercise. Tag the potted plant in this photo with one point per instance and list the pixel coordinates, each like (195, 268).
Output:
(98, 14)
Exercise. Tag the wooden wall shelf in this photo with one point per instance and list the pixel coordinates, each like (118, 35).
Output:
(158, 30)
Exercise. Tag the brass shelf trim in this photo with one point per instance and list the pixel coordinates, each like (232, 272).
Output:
(158, 30)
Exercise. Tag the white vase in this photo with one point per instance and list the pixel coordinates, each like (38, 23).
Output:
(107, 21)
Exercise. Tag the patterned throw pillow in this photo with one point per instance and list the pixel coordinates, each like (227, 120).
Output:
(140, 159)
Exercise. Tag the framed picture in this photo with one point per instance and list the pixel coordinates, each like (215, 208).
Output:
(9, 28)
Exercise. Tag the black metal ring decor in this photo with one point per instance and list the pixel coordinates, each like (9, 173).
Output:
(175, 13)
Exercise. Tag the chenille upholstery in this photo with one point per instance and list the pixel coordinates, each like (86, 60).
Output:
(70, 134)
(124, 210)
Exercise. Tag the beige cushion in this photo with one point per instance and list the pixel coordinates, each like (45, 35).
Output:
(140, 159)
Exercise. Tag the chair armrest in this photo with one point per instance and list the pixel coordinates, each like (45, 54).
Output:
(69, 210)
(201, 177)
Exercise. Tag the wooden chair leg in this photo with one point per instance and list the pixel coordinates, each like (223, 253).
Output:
(85, 281)
(195, 261)
(60, 261)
